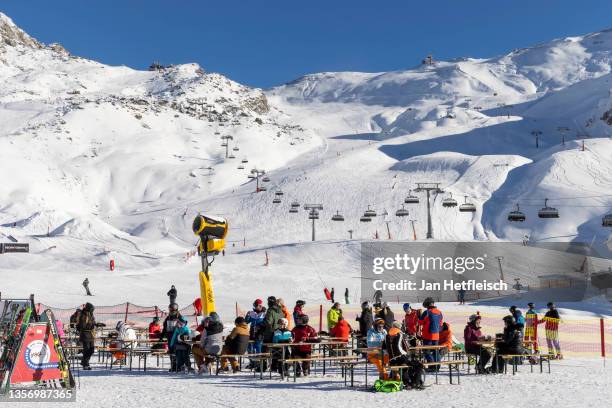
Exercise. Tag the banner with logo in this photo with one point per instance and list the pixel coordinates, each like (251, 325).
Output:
(37, 359)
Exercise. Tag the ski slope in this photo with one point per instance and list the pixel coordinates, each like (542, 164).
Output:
(103, 162)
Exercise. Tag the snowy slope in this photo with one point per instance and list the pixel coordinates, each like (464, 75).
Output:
(106, 162)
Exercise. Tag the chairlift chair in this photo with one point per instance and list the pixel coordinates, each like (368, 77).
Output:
(295, 204)
(240, 167)
(245, 160)
(235, 148)
(223, 144)
(279, 192)
(231, 156)
(369, 212)
(266, 179)
(607, 220)
(410, 199)
(293, 210)
(548, 212)
(365, 219)
(449, 202)
(516, 215)
(337, 217)
(467, 207)
(251, 176)
(276, 200)
(262, 188)
(402, 212)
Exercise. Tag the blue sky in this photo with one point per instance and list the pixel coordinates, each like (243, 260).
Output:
(269, 42)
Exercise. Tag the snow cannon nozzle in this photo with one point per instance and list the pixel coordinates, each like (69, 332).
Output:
(212, 232)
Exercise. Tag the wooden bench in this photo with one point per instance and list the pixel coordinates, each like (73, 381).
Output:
(349, 367)
(261, 357)
(450, 363)
(295, 361)
(514, 358)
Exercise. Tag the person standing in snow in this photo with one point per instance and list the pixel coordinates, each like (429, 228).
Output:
(410, 325)
(332, 295)
(518, 318)
(286, 314)
(551, 322)
(86, 328)
(270, 323)
(255, 318)
(298, 309)
(303, 333)
(346, 296)
(366, 321)
(168, 327)
(333, 315)
(172, 294)
(431, 323)
(86, 286)
(178, 342)
(531, 323)
(282, 335)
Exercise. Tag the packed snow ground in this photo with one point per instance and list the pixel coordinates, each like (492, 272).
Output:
(573, 383)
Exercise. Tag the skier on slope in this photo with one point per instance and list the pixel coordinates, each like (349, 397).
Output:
(86, 286)
(172, 294)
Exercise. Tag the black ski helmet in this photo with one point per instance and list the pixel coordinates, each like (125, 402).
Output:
(271, 300)
(510, 320)
(428, 302)
(300, 303)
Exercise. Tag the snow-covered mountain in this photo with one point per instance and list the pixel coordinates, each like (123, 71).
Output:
(102, 162)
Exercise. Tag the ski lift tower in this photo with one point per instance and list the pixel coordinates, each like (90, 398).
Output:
(429, 188)
(226, 140)
(563, 130)
(313, 214)
(256, 174)
(537, 134)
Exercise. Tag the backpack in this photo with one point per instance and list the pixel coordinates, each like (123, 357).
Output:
(413, 376)
(387, 386)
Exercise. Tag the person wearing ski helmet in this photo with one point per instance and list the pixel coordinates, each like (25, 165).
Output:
(298, 309)
(411, 321)
(431, 323)
(270, 323)
(531, 323)
(551, 322)
(387, 315)
(472, 336)
(86, 328)
(375, 338)
(518, 317)
(511, 342)
(303, 333)
(282, 335)
(333, 315)
(255, 318)
(366, 321)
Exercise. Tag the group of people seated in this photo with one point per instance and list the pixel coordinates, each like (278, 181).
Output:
(384, 340)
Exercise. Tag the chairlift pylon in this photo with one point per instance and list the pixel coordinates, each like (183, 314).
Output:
(548, 212)
(516, 215)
